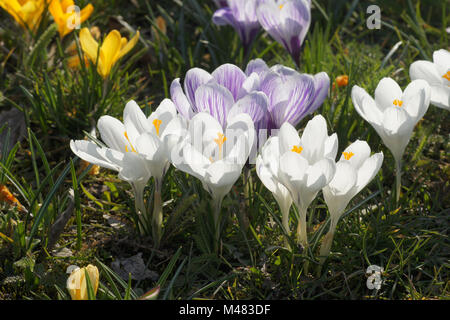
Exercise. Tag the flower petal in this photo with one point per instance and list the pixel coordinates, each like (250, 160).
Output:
(195, 77)
(112, 132)
(425, 70)
(313, 139)
(356, 153)
(255, 105)
(288, 138)
(256, 65)
(89, 152)
(215, 100)
(159, 118)
(179, 98)
(368, 171)
(132, 114)
(88, 44)
(416, 99)
(386, 93)
(366, 106)
(320, 174)
(231, 77)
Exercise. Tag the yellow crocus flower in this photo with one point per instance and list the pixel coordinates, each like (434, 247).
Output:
(73, 61)
(77, 285)
(112, 49)
(65, 17)
(27, 13)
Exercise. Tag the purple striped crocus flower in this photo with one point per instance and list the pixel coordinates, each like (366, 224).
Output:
(224, 92)
(287, 21)
(291, 95)
(241, 15)
(271, 96)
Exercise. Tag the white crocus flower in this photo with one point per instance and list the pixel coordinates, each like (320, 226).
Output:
(306, 165)
(215, 156)
(437, 74)
(354, 170)
(393, 114)
(149, 136)
(119, 155)
(267, 169)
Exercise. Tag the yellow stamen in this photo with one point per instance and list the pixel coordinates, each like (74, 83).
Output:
(157, 123)
(348, 155)
(281, 6)
(398, 102)
(128, 139)
(447, 75)
(297, 149)
(220, 141)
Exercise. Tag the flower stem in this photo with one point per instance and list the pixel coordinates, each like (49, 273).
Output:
(157, 213)
(140, 208)
(285, 223)
(325, 247)
(302, 237)
(398, 176)
(217, 205)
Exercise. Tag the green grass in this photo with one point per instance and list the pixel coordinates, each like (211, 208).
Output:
(409, 240)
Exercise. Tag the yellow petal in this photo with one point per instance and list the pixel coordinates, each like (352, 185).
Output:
(88, 44)
(77, 285)
(65, 4)
(86, 12)
(130, 45)
(56, 10)
(93, 276)
(108, 51)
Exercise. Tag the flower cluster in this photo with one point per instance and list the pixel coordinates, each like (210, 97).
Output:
(215, 122)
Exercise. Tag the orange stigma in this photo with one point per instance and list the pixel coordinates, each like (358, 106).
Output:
(297, 149)
(348, 155)
(157, 123)
(398, 102)
(447, 75)
(220, 141)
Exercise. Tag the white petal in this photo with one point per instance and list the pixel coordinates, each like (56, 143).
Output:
(165, 112)
(440, 97)
(240, 129)
(320, 174)
(89, 152)
(344, 179)
(132, 114)
(368, 171)
(112, 132)
(313, 139)
(134, 169)
(220, 177)
(331, 146)
(425, 70)
(366, 106)
(288, 138)
(441, 58)
(416, 99)
(397, 130)
(386, 92)
(358, 151)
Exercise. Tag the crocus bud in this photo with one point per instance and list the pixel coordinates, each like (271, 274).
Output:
(76, 283)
